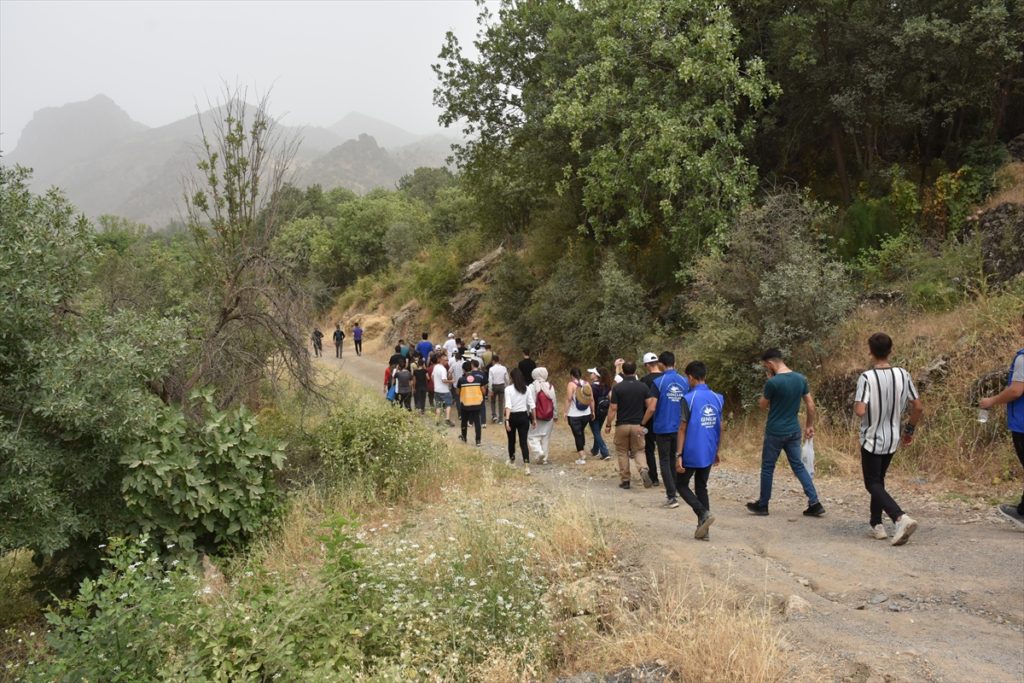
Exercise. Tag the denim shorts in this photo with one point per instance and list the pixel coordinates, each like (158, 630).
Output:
(444, 399)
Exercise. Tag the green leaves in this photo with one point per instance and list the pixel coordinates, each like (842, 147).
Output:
(210, 480)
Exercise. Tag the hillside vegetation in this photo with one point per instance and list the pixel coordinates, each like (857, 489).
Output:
(186, 496)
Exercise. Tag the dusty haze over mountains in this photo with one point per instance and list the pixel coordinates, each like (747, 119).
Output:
(100, 98)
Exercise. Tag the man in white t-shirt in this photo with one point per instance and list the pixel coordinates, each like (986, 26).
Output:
(497, 380)
(883, 394)
(443, 392)
(451, 346)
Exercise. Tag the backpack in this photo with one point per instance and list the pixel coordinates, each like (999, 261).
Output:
(584, 396)
(545, 407)
(471, 393)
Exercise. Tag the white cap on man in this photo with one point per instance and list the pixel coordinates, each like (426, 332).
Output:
(650, 358)
(592, 371)
(451, 335)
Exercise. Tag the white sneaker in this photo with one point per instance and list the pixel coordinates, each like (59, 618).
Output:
(878, 531)
(545, 461)
(581, 461)
(904, 528)
(526, 470)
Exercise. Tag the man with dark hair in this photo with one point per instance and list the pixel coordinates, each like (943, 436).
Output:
(396, 356)
(664, 416)
(628, 403)
(783, 393)
(700, 434)
(527, 365)
(339, 337)
(1013, 398)
(470, 388)
(653, 369)
(883, 393)
(357, 338)
(424, 347)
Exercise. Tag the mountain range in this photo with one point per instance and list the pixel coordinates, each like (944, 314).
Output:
(108, 163)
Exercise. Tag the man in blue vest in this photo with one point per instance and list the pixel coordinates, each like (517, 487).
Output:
(700, 434)
(424, 348)
(663, 419)
(1013, 397)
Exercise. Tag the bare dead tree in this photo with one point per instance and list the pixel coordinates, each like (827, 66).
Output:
(256, 317)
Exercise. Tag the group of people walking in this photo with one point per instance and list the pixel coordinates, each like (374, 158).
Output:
(317, 338)
(666, 426)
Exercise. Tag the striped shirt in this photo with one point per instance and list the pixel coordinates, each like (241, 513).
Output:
(886, 391)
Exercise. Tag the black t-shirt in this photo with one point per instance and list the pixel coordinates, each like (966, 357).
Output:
(648, 380)
(395, 359)
(630, 395)
(527, 366)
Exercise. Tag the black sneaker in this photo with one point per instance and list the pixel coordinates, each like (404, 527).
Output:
(756, 508)
(462, 438)
(703, 523)
(815, 510)
(606, 457)
(624, 485)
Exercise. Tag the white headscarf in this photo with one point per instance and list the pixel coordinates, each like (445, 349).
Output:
(540, 382)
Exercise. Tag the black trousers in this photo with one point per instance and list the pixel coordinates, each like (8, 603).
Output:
(421, 398)
(650, 450)
(337, 350)
(1018, 444)
(667, 455)
(405, 400)
(697, 501)
(874, 468)
(471, 416)
(359, 347)
(578, 425)
(519, 426)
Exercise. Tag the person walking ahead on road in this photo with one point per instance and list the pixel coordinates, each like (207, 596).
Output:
(424, 347)
(442, 391)
(601, 383)
(471, 397)
(339, 337)
(653, 369)
(419, 383)
(404, 380)
(518, 415)
(357, 338)
(318, 342)
(783, 393)
(699, 438)
(527, 365)
(883, 393)
(498, 378)
(578, 411)
(542, 398)
(628, 402)
(667, 392)
(1013, 398)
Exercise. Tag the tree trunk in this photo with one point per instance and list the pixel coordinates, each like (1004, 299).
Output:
(837, 150)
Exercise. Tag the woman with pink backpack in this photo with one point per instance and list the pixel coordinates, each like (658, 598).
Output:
(541, 396)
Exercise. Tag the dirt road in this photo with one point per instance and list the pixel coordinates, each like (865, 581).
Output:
(948, 606)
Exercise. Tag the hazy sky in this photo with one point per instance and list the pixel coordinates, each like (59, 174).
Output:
(158, 59)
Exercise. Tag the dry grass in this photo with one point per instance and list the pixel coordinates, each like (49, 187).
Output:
(1010, 180)
(705, 633)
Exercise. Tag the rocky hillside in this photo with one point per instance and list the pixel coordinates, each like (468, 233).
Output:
(108, 163)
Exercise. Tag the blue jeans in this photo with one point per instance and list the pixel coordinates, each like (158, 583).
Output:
(773, 446)
(599, 447)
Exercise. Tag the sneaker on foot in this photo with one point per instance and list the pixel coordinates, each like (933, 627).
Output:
(526, 469)
(545, 461)
(581, 461)
(462, 438)
(510, 463)
(606, 457)
(478, 444)
(703, 523)
(878, 531)
(449, 423)
(646, 476)
(905, 526)
(671, 503)
(756, 508)
(624, 485)
(1011, 513)
(816, 510)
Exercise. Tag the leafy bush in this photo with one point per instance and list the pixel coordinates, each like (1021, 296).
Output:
(435, 278)
(367, 444)
(777, 283)
(208, 480)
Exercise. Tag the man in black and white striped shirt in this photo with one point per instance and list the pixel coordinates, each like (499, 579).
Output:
(883, 394)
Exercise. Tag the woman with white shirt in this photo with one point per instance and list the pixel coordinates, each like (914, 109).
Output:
(539, 436)
(578, 415)
(518, 411)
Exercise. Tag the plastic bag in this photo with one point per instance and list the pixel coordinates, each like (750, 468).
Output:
(807, 455)
(392, 392)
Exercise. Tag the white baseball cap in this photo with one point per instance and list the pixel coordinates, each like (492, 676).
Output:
(451, 335)
(650, 358)
(592, 371)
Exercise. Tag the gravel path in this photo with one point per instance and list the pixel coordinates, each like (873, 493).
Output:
(946, 607)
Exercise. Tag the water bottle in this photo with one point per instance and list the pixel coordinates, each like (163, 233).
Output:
(982, 415)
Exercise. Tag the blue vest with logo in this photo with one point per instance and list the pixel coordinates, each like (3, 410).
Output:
(1015, 409)
(671, 388)
(704, 429)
